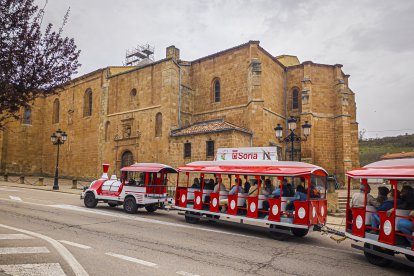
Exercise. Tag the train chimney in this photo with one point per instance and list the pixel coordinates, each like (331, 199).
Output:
(105, 168)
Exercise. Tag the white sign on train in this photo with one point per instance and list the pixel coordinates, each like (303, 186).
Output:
(247, 154)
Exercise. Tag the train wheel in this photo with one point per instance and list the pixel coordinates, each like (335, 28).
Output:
(278, 235)
(409, 257)
(112, 204)
(130, 205)
(189, 217)
(151, 208)
(377, 260)
(299, 232)
(90, 201)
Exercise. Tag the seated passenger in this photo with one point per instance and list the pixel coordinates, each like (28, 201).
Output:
(253, 189)
(196, 184)
(141, 180)
(219, 184)
(236, 188)
(358, 198)
(285, 192)
(406, 227)
(246, 185)
(300, 195)
(314, 192)
(382, 194)
(209, 185)
(289, 189)
(407, 198)
(387, 205)
(267, 189)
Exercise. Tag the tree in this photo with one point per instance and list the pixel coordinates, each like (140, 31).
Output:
(361, 134)
(32, 63)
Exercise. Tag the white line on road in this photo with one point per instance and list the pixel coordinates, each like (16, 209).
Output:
(23, 250)
(117, 215)
(49, 269)
(66, 255)
(14, 237)
(134, 260)
(186, 273)
(15, 198)
(75, 244)
(8, 190)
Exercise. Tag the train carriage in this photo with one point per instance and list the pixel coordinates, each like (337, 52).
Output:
(381, 243)
(267, 210)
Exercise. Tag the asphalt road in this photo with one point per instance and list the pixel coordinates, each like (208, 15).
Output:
(55, 234)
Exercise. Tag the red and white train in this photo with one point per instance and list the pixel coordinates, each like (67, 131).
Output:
(142, 185)
(206, 202)
(381, 244)
(205, 190)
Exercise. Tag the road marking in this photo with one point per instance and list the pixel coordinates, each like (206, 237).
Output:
(14, 237)
(23, 250)
(15, 198)
(8, 190)
(75, 244)
(130, 217)
(134, 260)
(186, 273)
(46, 269)
(66, 255)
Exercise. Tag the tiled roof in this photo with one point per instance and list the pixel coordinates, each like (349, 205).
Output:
(398, 155)
(208, 127)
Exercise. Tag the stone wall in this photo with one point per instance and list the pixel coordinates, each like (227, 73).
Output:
(256, 94)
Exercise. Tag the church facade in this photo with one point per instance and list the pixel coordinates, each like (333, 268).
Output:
(173, 111)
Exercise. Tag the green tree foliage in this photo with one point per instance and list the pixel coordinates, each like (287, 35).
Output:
(33, 62)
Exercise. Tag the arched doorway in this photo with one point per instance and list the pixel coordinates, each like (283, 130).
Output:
(127, 159)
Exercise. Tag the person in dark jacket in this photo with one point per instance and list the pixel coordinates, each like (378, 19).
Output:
(382, 194)
(385, 206)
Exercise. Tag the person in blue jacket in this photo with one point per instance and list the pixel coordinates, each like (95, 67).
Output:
(385, 206)
(300, 195)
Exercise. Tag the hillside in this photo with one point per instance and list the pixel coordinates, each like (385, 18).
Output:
(370, 150)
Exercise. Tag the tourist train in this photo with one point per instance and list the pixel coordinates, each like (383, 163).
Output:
(249, 185)
(382, 231)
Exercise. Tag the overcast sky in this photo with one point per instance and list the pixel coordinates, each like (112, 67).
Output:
(374, 40)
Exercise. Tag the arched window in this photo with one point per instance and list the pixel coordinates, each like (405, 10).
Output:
(216, 90)
(87, 101)
(107, 131)
(27, 116)
(56, 107)
(158, 125)
(127, 159)
(295, 99)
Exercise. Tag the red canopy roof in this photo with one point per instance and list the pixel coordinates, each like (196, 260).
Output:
(148, 167)
(389, 169)
(279, 168)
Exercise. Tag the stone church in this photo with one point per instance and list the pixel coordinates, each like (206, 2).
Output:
(174, 111)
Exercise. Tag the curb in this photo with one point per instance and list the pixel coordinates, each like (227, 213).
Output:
(39, 188)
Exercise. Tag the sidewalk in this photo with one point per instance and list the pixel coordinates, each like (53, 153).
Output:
(32, 182)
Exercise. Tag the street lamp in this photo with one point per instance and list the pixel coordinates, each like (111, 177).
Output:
(292, 137)
(58, 138)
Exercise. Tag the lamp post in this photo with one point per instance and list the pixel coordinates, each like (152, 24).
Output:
(58, 138)
(292, 137)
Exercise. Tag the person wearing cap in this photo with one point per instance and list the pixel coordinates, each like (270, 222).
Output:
(358, 198)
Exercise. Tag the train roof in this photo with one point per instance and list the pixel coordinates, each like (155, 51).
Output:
(148, 167)
(280, 168)
(388, 169)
